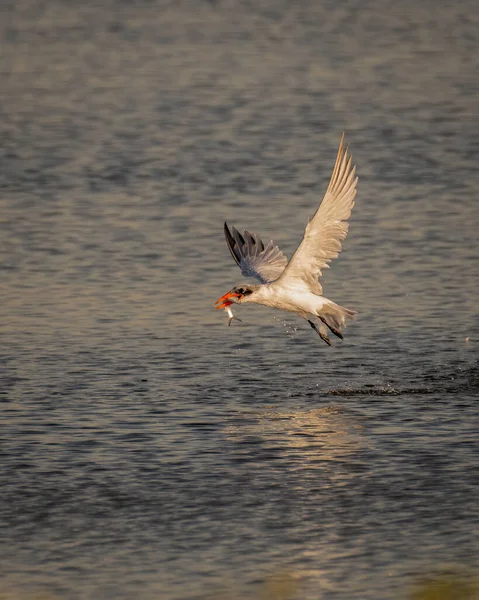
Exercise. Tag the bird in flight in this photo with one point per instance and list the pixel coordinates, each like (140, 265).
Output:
(293, 286)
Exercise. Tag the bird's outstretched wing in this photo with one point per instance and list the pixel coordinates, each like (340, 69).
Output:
(253, 258)
(328, 227)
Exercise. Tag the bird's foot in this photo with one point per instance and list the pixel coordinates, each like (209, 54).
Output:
(332, 329)
(321, 333)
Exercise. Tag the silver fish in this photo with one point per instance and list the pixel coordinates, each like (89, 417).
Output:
(231, 315)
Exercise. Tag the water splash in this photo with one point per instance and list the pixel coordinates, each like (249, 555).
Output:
(290, 326)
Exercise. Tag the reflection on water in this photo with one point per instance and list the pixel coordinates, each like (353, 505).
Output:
(150, 451)
(313, 436)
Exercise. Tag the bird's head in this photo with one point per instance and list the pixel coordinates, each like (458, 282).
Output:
(238, 295)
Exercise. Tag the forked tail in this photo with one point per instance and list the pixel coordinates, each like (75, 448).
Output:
(335, 316)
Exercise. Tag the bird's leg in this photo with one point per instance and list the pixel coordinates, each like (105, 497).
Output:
(332, 329)
(321, 334)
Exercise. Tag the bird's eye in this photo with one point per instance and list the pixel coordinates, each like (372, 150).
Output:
(241, 291)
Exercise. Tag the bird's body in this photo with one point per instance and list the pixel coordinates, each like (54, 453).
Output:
(286, 298)
(294, 286)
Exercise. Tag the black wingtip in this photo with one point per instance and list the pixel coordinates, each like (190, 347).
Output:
(231, 242)
(228, 235)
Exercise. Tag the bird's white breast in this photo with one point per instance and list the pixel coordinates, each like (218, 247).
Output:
(290, 298)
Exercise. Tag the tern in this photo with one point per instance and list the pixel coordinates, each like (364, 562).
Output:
(294, 286)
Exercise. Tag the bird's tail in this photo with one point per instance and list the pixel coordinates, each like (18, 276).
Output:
(335, 316)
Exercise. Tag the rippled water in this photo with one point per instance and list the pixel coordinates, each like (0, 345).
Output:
(150, 451)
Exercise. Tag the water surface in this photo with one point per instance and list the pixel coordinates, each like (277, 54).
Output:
(150, 451)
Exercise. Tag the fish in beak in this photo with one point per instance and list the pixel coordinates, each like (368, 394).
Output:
(227, 300)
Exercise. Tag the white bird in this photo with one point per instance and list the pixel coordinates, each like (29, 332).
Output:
(294, 286)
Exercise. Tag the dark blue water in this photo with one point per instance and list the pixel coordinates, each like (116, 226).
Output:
(148, 450)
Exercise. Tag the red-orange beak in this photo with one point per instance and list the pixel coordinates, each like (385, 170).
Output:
(225, 300)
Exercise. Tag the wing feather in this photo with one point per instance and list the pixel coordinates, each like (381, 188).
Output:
(254, 259)
(328, 227)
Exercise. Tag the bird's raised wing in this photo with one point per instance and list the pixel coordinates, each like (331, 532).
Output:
(328, 227)
(253, 258)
